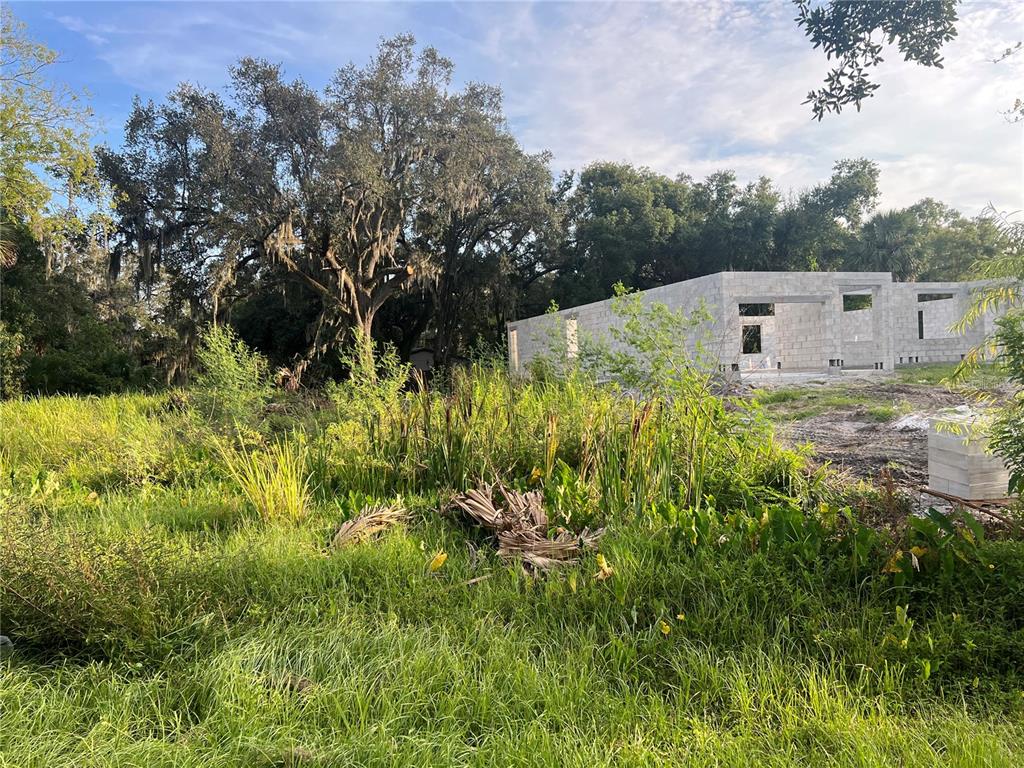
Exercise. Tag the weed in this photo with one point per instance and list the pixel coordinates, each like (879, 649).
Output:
(232, 387)
(274, 479)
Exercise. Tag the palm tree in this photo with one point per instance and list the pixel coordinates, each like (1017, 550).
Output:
(1005, 291)
(890, 242)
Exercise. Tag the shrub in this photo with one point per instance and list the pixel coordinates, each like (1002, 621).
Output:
(12, 366)
(657, 351)
(72, 590)
(1007, 433)
(373, 385)
(232, 387)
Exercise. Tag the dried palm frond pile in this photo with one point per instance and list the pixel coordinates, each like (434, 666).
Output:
(8, 254)
(521, 526)
(370, 522)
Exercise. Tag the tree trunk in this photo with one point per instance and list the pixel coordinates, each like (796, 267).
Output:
(366, 364)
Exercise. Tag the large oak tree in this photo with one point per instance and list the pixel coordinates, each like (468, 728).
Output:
(389, 178)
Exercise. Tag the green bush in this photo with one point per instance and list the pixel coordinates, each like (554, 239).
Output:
(1007, 432)
(232, 388)
(72, 340)
(373, 385)
(12, 363)
(72, 590)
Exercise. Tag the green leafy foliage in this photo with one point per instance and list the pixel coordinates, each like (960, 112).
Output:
(1004, 293)
(232, 387)
(12, 366)
(85, 591)
(1007, 430)
(854, 31)
(68, 345)
(655, 350)
(44, 133)
(731, 589)
(939, 544)
(375, 382)
(87, 443)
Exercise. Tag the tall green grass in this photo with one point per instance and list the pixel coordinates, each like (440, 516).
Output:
(483, 425)
(93, 441)
(739, 614)
(261, 649)
(274, 479)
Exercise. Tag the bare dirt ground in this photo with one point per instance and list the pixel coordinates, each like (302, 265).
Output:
(863, 425)
(850, 440)
(873, 427)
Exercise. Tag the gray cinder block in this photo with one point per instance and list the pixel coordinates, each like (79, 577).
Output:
(959, 462)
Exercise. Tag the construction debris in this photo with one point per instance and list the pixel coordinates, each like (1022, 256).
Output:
(520, 524)
(370, 522)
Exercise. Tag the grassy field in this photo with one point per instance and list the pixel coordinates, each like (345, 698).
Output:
(174, 601)
(986, 376)
(797, 403)
(884, 398)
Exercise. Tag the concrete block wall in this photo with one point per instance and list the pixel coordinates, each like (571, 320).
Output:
(808, 317)
(548, 334)
(801, 343)
(858, 326)
(808, 331)
(939, 344)
(867, 341)
(858, 334)
(939, 316)
(787, 337)
(791, 339)
(764, 360)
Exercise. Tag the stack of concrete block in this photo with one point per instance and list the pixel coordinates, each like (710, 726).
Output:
(959, 462)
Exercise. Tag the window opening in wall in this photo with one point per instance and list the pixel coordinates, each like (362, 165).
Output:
(854, 301)
(757, 310)
(513, 349)
(920, 323)
(751, 339)
(934, 296)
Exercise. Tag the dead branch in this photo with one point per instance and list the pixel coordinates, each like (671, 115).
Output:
(981, 505)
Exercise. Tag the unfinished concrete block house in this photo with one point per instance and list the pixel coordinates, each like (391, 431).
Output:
(787, 321)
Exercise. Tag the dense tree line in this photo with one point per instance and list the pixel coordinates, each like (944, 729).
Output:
(389, 207)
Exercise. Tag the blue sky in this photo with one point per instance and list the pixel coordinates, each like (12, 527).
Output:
(680, 87)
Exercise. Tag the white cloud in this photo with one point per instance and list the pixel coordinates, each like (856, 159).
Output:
(154, 47)
(692, 87)
(686, 87)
